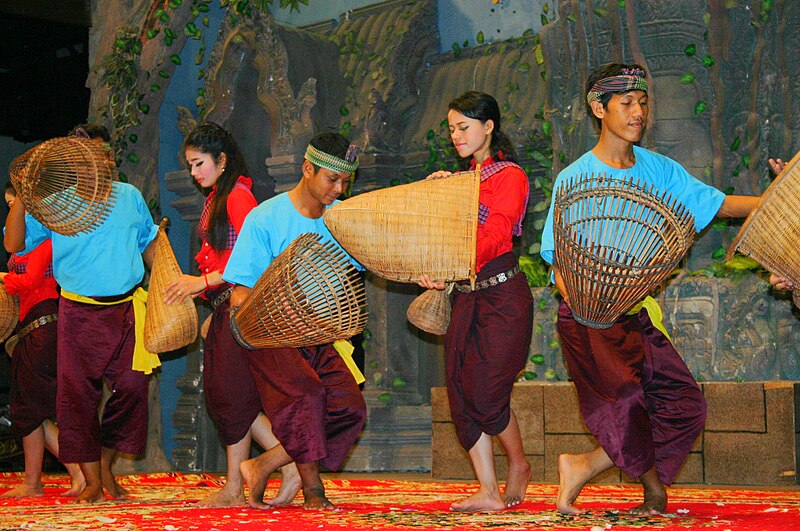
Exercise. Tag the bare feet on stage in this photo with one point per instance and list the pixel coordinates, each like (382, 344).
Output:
(229, 495)
(481, 502)
(655, 495)
(24, 491)
(290, 486)
(92, 493)
(575, 471)
(256, 472)
(77, 481)
(114, 489)
(519, 474)
(315, 499)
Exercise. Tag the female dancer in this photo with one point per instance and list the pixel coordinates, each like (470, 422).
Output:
(33, 363)
(216, 163)
(490, 328)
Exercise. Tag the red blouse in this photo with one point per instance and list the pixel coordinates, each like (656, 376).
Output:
(33, 286)
(240, 202)
(505, 195)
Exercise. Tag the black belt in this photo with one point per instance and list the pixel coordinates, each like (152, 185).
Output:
(222, 297)
(12, 341)
(489, 282)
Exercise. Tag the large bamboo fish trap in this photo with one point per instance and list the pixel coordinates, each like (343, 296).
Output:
(771, 233)
(66, 184)
(167, 326)
(9, 313)
(428, 227)
(311, 294)
(615, 240)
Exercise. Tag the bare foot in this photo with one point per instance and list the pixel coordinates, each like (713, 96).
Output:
(573, 474)
(290, 486)
(655, 502)
(517, 483)
(315, 499)
(256, 473)
(480, 502)
(24, 491)
(114, 489)
(90, 494)
(77, 483)
(227, 496)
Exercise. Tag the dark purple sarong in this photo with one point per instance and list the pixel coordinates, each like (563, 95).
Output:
(33, 372)
(636, 394)
(487, 345)
(231, 394)
(95, 345)
(313, 401)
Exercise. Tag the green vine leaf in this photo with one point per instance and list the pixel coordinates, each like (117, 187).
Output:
(708, 61)
(736, 143)
(690, 50)
(687, 78)
(700, 107)
(480, 38)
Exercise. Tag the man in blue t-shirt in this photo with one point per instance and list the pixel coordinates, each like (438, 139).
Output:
(636, 394)
(308, 393)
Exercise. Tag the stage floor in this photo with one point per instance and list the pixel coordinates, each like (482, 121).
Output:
(392, 502)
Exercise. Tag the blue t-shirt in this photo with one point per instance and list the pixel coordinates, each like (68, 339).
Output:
(108, 260)
(702, 200)
(267, 231)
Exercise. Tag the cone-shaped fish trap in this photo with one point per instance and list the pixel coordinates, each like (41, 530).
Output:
(770, 233)
(431, 311)
(311, 294)
(65, 184)
(167, 326)
(403, 232)
(9, 313)
(615, 240)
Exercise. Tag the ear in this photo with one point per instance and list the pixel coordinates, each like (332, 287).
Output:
(597, 109)
(222, 160)
(489, 125)
(308, 168)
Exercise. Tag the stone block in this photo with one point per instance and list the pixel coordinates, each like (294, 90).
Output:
(692, 471)
(561, 411)
(735, 406)
(449, 460)
(440, 404)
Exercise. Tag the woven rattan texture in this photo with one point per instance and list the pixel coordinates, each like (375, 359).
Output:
(311, 294)
(65, 184)
(431, 311)
(9, 313)
(615, 240)
(167, 326)
(770, 233)
(403, 232)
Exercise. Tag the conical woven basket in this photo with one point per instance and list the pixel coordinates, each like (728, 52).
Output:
(167, 326)
(65, 184)
(9, 313)
(771, 233)
(401, 233)
(615, 240)
(431, 311)
(309, 295)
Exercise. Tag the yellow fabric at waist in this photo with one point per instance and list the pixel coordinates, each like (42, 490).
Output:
(654, 312)
(345, 350)
(143, 360)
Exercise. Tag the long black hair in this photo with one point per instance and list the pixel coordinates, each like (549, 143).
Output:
(212, 139)
(483, 107)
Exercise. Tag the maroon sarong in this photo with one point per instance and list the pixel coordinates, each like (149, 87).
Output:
(95, 345)
(487, 345)
(33, 372)
(636, 394)
(231, 395)
(312, 399)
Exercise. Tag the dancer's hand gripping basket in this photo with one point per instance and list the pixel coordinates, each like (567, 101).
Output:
(65, 183)
(771, 233)
(401, 233)
(167, 326)
(615, 240)
(311, 294)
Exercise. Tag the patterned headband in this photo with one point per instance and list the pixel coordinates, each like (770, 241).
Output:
(628, 80)
(349, 164)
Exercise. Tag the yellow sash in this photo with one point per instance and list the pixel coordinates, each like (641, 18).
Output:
(143, 360)
(654, 312)
(345, 350)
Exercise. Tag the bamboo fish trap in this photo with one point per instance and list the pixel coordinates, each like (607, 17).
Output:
(615, 240)
(167, 326)
(9, 313)
(771, 233)
(66, 184)
(428, 227)
(309, 295)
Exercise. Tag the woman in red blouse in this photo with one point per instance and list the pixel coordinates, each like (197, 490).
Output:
(33, 363)
(490, 328)
(216, 163)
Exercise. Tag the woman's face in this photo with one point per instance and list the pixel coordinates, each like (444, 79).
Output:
(10, 198)
(470, 136)
(203, 168)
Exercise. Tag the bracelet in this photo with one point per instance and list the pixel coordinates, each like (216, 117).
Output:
(205, 277)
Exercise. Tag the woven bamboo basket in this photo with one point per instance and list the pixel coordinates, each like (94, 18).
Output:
(431, 311)
(309, 295)
(167, 326)
(66, 184)
(615, 240)
(770, 233)
(9, 313)
(401, 233)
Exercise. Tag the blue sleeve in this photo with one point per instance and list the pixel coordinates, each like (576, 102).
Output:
(702, 200)
(251, 254)
(35, 233)
(147, 229)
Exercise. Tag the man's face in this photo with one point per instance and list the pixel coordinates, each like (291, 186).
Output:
(625, 116)
(325, 185)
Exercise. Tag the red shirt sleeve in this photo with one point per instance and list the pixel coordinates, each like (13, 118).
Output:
(505, 195)
(38, 261)
(240, 203)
